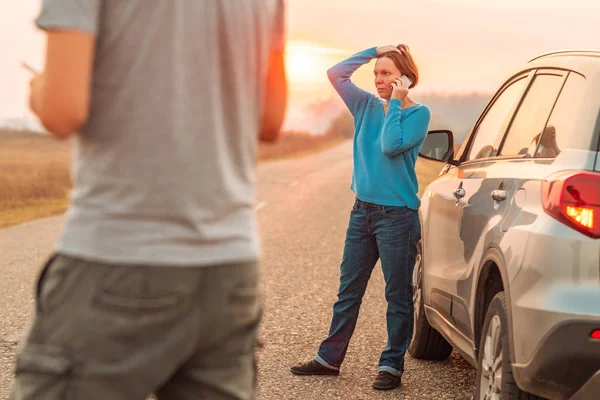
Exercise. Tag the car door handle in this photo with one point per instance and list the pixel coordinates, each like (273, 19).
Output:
(499, 195)
(460, 193)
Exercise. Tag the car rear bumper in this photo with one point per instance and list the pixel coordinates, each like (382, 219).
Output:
(565, 363)
(591, 389)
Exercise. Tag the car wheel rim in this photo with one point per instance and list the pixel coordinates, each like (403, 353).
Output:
(491, 364)
(417, 290)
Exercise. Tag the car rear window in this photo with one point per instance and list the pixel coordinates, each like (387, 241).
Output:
(561, 131)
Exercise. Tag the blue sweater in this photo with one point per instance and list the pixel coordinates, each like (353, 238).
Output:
(385, 146)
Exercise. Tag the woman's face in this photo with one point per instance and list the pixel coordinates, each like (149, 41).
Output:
(386, 73)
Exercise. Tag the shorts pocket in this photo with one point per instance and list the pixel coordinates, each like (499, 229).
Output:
(40, 281)
(42, 373)
(245, 296)
(54, 286)
(137, 292)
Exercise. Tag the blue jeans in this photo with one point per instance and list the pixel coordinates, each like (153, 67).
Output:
(374, 232)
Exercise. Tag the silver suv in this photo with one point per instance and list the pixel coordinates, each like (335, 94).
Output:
(508, 270)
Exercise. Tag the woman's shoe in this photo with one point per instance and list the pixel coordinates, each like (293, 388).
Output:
(386, 381)
(313, 368)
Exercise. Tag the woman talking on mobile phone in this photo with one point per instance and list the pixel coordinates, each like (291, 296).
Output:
(384, 223)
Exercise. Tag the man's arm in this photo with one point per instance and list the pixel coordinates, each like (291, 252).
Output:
(60, 96)
(275, 101)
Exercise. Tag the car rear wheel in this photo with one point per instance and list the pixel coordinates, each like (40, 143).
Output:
(494, 372)
(427, 343)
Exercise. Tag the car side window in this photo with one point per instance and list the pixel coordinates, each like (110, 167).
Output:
(529, 124)
(559, 132)
(494, 123)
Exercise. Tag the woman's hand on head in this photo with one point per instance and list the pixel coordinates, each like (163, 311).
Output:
(399, 89)
(403, 48)
(386, 49)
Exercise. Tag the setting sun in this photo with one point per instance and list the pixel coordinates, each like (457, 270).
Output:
(306, 62)
(299, 63)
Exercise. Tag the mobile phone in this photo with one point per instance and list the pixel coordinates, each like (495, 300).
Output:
(406, 80)
(29, 68)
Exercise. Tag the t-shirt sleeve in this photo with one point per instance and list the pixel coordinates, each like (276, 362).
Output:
(76, 15)
(278, 41)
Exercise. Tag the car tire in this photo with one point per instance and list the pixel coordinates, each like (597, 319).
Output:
(494, 372)
(427, 343)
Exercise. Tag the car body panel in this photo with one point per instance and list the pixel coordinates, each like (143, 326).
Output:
(550, 272)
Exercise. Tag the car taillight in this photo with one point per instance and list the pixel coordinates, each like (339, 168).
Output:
(595, 334)
(573, 197)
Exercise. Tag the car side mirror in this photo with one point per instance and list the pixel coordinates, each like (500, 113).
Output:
(438, 146)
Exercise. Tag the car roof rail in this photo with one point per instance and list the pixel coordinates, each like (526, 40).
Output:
(595, 52)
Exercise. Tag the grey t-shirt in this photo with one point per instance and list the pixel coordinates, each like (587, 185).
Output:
(164, 168)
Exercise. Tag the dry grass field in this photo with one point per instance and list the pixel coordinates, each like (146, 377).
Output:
(427, 171)
(34, 177)
(35, 181)
(293, 144)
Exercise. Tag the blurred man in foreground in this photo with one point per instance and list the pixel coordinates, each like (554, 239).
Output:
(154, 285)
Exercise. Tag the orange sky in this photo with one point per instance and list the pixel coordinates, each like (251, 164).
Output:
(459, 45)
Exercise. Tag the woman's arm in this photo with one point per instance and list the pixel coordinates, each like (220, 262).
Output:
(397, 137)
(339, 75)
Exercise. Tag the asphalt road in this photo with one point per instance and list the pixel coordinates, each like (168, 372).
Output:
(303, 209)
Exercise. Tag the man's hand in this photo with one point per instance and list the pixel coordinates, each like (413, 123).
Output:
(400, 90)
(35, 86)
(386, 49)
